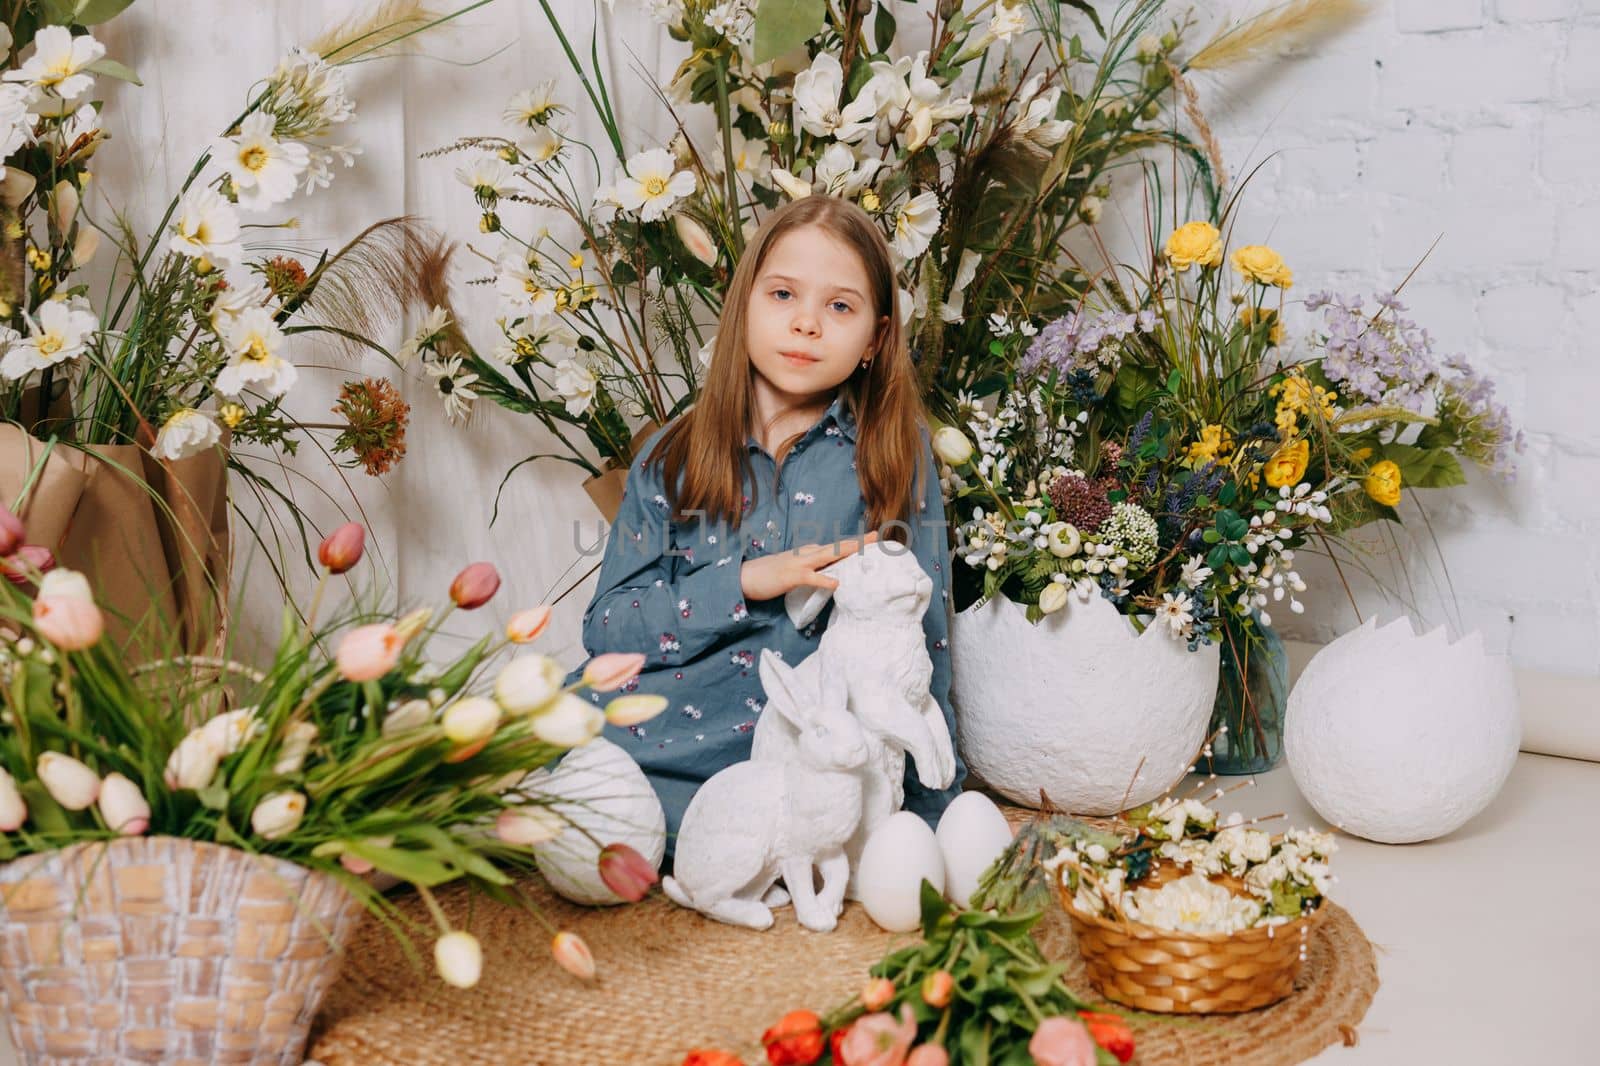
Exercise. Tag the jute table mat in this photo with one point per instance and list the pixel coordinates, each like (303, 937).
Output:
(671, 980)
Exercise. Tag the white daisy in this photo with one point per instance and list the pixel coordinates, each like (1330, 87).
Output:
(188, 432)
(650, 184)
(1195, 571)
(424, 337)
(541, 144)
(307, 95)
(58, 64)
(253, 340)
(207, 227)
(915, 222)
(264, 169)
(1175, 612)
(454, 386)
(533, 107)
(62, 331)
(517, 280)
(488, 177)
(243, 290)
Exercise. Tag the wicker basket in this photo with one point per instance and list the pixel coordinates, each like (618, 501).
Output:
(166, 950)
(1158, 970)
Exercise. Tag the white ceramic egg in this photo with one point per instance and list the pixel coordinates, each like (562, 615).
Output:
(972, 833)
(897, 857)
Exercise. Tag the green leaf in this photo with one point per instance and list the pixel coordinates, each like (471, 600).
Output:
(1211, 536)
(883, 28)
(784, 25)
(933, 908)
(1229, 493)
(417, 867)
(1217, 557)
(1175, 378)
(1088, 9)
(214, 797)
(82, 12)
(44, 812)
(1239, 556)
(112, 69)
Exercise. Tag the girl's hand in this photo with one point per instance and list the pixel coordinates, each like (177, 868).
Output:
(773, 575)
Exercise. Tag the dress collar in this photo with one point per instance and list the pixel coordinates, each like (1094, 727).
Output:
(837, 414)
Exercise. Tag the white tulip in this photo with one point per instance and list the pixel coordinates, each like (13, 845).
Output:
(123, 806)
(459, 959)
(66, 583)
(69, 782)
(296, 743)
(278, 815)
(571, 723)
(193, 763)
(228, 731)
(527, 684)
(470, 720)
(412, 714)
(13, 808)
(952, 445)
(528, 825)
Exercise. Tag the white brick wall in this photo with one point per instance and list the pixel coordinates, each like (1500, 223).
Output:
(1478, 122)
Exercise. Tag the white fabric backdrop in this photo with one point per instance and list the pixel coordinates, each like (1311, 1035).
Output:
(1368, 122)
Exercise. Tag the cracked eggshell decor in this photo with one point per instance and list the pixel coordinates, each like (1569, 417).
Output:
(1072, 705)
(1399, 738)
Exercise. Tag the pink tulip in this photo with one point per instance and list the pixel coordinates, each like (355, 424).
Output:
(877, 993)
(11, 532)
(525, 626)
(67, 622)
(343, 548)
(475, 586)
(573, 955)
(13, 808)
(928, 1055)
(626, 872)
(20, 566)
(1062, 1042)
(878, 1040)
(527, 825)
(937, 988)
(368, 652)
(608, 672)
(123, 806)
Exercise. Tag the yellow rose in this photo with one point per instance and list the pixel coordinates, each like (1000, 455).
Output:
(1260, 264)
(1194, 243)
(1383, 483)
(1288, 464)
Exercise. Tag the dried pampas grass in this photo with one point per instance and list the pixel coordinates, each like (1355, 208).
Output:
(1275, 28)
(377, 31)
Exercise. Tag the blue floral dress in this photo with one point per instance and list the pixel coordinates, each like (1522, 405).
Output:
(673, 591)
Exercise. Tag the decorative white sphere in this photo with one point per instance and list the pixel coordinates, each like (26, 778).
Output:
(1399, 738)
(598, 788)
(1081, 705)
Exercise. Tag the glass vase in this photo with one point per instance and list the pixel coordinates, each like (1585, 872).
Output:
(1252, 692)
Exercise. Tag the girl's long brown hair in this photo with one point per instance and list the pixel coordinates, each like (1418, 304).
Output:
(703, 454)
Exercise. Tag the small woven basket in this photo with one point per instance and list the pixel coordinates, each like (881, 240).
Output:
(1168, 972)
(161, 950)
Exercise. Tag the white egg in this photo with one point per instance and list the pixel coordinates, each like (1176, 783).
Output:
(972, 834)
(898, 856)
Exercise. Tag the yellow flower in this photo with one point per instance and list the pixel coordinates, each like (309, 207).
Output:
(1194, 243)
(1249, 316)
(1214, 444)
(1383, 483)
(1288, 464)
(576, 262)
(231, 414)
(870, 201)
(1260, 264)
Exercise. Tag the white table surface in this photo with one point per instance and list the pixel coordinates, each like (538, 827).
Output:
(1488, 941)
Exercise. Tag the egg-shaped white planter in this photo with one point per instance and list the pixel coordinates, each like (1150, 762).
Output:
(1399, 738)
(1081, 705)
(598, 788)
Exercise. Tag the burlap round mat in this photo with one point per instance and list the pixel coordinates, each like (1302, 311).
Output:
(671, 980)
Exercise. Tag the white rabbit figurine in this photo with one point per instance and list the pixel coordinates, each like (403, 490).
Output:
(755, 822)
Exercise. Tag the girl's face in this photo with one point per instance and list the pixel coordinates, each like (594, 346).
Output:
(811, 319)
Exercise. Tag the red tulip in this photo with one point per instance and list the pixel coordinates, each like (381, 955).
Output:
(835, 1044)
(11, 532)
(711, 1057)
(343, 547)
(626, 872)
(26, 560)
(795, 1041)
(1111, 1032)
(475, 586)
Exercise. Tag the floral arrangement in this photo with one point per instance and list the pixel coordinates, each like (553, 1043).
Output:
(351, 752)
(192, 342)
(1282, 878)
(978, 141)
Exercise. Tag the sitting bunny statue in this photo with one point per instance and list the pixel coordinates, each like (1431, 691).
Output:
(754, 822)
(873, 659)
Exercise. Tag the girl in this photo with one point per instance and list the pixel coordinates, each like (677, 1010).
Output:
(808, 428)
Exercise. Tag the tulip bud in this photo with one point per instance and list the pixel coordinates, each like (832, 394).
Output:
(470, 720)
(69, 623)
(411, 624)
(714, 1057)
(527, 684)
(796, 1039)
(69, 782)
(11, 532)
(27, 560)
(359, 866)
(626, 872)
(525, 626)
(571, 723)
(609, 672)
(475, 586)
(696, 239)
(459, 959)
(228, 731)
(368, 652)
(631, 710)
(13, 808)
(952, 446)
(68, 584)
(937, 988)
(297, 740)
(193, 763)
(343, 548)
(1053, 598)
(278, 815)
(877, 993)
(412, 714)
(573, 955)
(928, 1055)
(123, 806)
(528, 825)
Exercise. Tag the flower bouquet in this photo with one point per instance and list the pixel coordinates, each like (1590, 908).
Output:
(1178, 911)
(216, 845)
